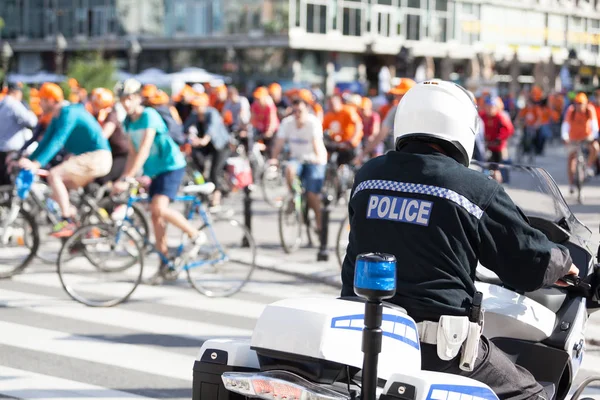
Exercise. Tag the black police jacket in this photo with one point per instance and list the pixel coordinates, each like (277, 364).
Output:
(439, 218)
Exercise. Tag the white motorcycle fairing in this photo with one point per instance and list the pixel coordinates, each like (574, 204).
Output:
(330, 329)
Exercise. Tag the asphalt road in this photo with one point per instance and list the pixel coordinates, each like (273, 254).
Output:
(54, 348)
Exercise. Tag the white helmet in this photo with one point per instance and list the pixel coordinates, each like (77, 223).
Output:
(438, 112)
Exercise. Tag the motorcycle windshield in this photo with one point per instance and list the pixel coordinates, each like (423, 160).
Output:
(535, 192)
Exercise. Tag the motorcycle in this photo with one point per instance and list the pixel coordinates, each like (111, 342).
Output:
(364, 348)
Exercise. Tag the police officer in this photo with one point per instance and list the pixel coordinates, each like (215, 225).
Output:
(438, 217)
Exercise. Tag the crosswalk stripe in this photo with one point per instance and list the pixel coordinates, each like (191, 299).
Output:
(28, 385)
(135, 357)
(174, 296)
(117, 317)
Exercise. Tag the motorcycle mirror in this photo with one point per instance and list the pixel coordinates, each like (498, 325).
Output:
(375, 276)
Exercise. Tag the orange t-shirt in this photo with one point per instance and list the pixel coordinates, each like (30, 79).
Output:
(580, 122)
(342, 125)
(548, 115)
(530, 114)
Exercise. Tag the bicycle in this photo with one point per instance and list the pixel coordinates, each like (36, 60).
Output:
(294, 212)
(526, 145)
(580, 169)
(212, 256)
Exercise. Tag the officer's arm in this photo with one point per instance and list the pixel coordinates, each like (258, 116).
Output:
(520, 255)
(350, 258)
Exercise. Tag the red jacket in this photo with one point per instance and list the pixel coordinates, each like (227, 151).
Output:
(497, 130)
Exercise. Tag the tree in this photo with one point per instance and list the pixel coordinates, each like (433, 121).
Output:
(91, 71)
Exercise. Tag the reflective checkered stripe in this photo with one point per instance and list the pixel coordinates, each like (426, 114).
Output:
(429, 190)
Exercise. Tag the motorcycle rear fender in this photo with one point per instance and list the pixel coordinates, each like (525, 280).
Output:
(427, 385)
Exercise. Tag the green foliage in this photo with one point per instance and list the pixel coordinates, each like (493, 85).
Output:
(91, 72)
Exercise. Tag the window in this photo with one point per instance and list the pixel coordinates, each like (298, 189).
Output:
(316, 18)
(10, 11)
(594, 30)
(576, 33)
(468, 27)
(352, 22)
(413, 27)
(557, 25)
(414, 3)
(440, 18)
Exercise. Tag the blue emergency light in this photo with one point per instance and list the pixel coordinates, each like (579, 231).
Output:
(375, 276)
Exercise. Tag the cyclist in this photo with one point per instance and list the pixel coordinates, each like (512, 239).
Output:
(152, 150)
(218, 97)
(303, 133)
(75, 130)
(239, 108)
(387, 125)
(498, 129)
(345, 128)
(371, 126)
(580, 125)
(264, 117)
(102, 102)
(209, 138)
(282, 105)
(17, 122)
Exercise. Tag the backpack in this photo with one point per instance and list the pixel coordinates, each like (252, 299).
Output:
(175, 128)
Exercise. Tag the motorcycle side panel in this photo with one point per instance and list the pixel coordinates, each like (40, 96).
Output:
(331, 329)
(511, 315)
(427, 385)
(575, 345)
(232, 352)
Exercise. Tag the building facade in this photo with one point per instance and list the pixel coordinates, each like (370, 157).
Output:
(511, 41)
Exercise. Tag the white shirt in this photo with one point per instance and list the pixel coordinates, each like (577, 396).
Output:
(301, 139)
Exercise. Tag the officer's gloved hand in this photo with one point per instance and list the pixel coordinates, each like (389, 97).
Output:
(572, 271)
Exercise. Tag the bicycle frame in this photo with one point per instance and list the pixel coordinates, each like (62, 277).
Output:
(195, 204)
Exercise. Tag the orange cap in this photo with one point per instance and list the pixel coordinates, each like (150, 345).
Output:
(51, 91)
(261, 92)
(221, 89)
(201, 99)
(366, 104)
(73, 84)
(160, 98)
(275, 88)
(404, 86)
(306, 96)
(102, 98)
(149, 91)
(581, 98)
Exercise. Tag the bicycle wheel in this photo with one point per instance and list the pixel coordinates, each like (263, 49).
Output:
(100, 287)
(226, 260)
(580, 178)
(331, 184)
(19, 240)
(290, 224)
(342, 240)
(272, 184)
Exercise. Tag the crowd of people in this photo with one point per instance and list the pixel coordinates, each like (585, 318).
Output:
(109, 135)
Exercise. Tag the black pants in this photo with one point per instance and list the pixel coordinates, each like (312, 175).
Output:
(493, 368)
(218, 159)
(4, 174)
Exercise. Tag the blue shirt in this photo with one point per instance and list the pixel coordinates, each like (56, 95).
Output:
(165, 155)
(75, 130)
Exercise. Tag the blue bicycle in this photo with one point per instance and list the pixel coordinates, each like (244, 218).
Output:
(102, 264)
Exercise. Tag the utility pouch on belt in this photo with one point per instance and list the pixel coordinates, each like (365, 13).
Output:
(471, 346)
(452, 332)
